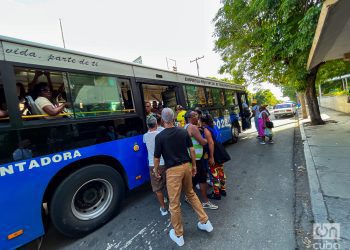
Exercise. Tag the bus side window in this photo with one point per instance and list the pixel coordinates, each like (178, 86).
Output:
(41, 94)
(195, 96)
(96, 95)
(3, 106)
(217, 97)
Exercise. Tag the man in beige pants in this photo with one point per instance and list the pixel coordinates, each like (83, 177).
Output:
(173, 144)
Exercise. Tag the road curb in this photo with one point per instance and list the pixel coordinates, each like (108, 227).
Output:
(318, 205)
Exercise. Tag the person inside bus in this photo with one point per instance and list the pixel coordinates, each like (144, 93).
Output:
(45, 103)
(3, 113)
(21, 94)
(23, 151)
(35, 80)
(154, 106)
(127, 100)
(148, 109)
(111, 133)
(3, 107)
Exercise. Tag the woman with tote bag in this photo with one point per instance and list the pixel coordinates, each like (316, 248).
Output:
(217, 156)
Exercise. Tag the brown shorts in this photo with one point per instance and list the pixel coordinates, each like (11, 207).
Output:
(158, 184)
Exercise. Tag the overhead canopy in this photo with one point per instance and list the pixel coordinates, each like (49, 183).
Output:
(332, 37)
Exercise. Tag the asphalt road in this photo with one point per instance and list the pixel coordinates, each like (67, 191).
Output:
(258, 212)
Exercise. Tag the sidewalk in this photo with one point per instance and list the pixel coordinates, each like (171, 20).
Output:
(327, 154)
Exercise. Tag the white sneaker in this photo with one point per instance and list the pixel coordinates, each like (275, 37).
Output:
(163, 211)
(209, 205)
(205, 227)
(178, 240)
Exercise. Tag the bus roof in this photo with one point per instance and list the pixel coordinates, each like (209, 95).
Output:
(21, 51)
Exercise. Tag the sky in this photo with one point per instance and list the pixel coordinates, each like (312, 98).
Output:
(154, 29)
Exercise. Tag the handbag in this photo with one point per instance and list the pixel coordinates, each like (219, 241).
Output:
(269, 124)
(220, 154)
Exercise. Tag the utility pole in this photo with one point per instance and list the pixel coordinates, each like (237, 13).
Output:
(64, 44)
(196, 60)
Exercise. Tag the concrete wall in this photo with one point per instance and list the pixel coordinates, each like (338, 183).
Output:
(338, 103)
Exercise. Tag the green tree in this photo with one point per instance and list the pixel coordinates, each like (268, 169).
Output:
(269, 40)
(332, 69)
(265, 96)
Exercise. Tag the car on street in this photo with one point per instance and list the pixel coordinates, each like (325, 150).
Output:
(284, 109)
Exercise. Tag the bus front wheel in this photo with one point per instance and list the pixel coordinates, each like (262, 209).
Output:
(86, 200)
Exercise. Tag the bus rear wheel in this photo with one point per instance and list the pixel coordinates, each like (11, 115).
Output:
(86, 200)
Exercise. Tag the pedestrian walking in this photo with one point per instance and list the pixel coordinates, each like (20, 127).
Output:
(216, 169)
(173, 144)
(191, 119)
(264, 130)
(157, 182)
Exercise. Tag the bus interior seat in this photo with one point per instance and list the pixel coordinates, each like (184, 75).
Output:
(34, 110)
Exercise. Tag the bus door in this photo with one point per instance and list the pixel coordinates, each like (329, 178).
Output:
(156, 97)
(244, 110)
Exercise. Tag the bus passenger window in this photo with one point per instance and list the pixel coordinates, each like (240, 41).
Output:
(3, 106)
(195, 96)
(209, 94)
(95, 95)
(217, 97)
(230, 98)
(41, 94)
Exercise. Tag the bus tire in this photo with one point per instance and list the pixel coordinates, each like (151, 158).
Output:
(86, 200)
(235, 134)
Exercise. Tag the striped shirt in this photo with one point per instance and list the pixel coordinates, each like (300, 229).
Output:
(196, 145)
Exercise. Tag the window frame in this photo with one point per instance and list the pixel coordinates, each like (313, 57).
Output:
(119, 90)
(16, 120)
(186, 95)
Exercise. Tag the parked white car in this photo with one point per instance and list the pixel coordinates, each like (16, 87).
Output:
(284, 109)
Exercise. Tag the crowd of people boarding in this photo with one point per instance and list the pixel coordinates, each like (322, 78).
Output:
(185, 152)
(181, 156)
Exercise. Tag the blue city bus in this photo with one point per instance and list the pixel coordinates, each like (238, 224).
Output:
(71, 127)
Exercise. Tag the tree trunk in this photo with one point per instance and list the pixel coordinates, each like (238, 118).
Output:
(311, 98)
(301, 96)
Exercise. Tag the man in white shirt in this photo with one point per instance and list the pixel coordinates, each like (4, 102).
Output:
(158, 184)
